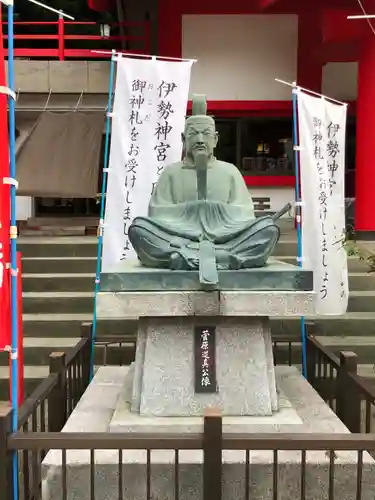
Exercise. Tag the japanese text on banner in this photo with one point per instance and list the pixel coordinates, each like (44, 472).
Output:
(148, 119)
(322, 166)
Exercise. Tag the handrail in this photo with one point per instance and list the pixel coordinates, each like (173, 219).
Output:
(33, 401)
(324, 352)
(365, 387)
(62, 52)
(154, 441)
(75, 351)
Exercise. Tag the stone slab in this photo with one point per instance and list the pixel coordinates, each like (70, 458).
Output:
(68, 76)
(126, 420)
(244, 368)
(128, 305)
(132, 276)
(316, 417)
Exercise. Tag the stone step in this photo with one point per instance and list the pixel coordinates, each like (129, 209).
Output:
(361, 301)
(87, 265)
(68, 325)
(62, 221)
(69, 282)
(58, 231)
(62, 246)
(55, 265)
(361, 281)
(33, 375)
(364, 347)
(37, 351)
(57, 302)
(82, 302)
(329, 326)
(53, 242)
(354, 264)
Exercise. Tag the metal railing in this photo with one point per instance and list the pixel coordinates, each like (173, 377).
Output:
(45, 412)
(65, 41)
(213, 443)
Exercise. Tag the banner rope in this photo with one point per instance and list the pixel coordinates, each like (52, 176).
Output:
(298, 205)
(102, 207)
(297, 88)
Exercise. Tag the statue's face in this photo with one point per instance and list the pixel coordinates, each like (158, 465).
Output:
(200, 137)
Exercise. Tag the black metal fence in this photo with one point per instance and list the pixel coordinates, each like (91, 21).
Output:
(45, 412)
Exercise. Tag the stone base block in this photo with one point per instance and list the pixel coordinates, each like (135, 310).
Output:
(124, 420)
(129, 305)
(94, 413)
(164, 382)
(130, 275)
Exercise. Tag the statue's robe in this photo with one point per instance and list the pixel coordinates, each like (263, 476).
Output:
(177, 221)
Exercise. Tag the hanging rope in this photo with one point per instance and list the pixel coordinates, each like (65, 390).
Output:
(366, 16)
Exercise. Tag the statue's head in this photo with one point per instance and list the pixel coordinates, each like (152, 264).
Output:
(200, 136)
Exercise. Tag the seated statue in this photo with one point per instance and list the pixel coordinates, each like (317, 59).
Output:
(201, 216)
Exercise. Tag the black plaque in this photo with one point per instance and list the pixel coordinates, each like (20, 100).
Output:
(205, 359)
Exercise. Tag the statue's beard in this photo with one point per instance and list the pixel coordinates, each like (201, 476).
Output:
(200, 152)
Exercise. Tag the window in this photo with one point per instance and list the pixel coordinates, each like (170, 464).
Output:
(257, 146)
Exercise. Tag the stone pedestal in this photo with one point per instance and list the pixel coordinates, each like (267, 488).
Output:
(164, 368)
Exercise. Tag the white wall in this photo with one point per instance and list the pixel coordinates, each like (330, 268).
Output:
(24, 207)
(239, 56)
(340, 80)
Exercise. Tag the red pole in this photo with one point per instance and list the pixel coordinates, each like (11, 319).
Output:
(5, 336)
(61, 41)
(365, 160)
(20, 381)
(20, 332)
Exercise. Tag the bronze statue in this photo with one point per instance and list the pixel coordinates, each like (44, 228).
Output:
(201, 215)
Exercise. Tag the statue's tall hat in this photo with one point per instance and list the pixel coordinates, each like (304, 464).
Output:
(199, 109)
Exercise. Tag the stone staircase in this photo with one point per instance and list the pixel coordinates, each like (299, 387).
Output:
(58, 285)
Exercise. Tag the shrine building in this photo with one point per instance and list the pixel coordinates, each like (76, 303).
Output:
(241, 47)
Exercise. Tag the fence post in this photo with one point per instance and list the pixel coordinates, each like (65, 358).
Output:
(212, 451)
(57, 400)
(348, 399)
(61, 38)
(6, 463)
(86, 333)
(310, 354)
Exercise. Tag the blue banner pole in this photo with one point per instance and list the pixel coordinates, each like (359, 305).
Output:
(13, 243)
(102, 207)
(298, 216)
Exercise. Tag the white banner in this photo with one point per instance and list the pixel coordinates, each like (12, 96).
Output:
(148, 118)
(322, 127)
